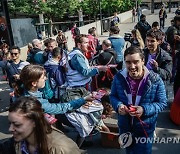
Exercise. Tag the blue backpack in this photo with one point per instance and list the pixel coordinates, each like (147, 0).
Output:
(49, 89)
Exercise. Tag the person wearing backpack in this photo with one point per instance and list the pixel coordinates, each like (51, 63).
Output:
(55, 72)
(12, 66)
(75, 31)
(51, 44)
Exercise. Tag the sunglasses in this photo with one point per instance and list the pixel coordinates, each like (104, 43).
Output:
(14, 54)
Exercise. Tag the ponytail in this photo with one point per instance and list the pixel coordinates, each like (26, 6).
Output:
(18, 88)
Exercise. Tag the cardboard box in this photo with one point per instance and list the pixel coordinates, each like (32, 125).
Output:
(110, 139)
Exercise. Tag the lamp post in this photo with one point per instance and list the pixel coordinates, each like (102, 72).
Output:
(6, 35)
(169, 5)
(152, 6)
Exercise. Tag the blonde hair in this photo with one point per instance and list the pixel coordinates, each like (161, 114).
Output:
(138, 37)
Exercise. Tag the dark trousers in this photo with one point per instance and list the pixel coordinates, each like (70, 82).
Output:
(162, 21)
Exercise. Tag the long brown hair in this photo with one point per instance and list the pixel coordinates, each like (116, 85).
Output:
(30, 107)
(30, 73)
(138, 37)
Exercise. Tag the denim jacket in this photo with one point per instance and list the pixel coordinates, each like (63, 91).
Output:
(153, 101)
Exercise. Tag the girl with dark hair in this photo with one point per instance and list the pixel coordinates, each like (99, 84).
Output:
(33, 134)
(32, 78)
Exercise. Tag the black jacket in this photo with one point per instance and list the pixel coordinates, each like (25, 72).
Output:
(164, 61)
(7, 146)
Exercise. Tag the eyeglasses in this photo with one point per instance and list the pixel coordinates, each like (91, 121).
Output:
(14, 54)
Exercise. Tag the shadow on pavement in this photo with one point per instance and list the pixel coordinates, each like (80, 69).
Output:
(165, 122)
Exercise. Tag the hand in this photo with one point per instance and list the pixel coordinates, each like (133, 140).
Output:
(177, 37)
(16, 76)
(89, 98)
(138, 111)
(102, 68)
(154, 63)
(122, 110)
(87, 105)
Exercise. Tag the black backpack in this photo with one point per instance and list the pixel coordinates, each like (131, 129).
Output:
(76, 31)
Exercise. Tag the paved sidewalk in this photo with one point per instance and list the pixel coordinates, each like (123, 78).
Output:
(165, 128)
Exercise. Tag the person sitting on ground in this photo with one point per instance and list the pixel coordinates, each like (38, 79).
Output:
(117, 42)
(32, 133)
(32, 78)
(137, 39)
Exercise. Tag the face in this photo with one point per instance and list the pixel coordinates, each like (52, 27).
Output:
(156, 28)
(178, 22)
(152, 44)
(60, 33)
(41, 82)
(84, 44)
(39, 45)
(21, 127)
(15, 54)
(143, 19)
(133, 36)
(51, 46)
(134, 65)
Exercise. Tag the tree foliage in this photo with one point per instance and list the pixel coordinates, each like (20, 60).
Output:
(50, 8)
(60, 8)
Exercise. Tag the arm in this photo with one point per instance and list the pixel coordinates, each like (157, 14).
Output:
(59, 76)
(78, 63)
(61, 108)
(115, 101)
(160, 101)
(165, 68)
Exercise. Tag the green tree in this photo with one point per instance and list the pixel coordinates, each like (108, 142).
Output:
(51, 9)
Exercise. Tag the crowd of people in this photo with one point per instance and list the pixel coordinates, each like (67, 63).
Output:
(66, 85)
